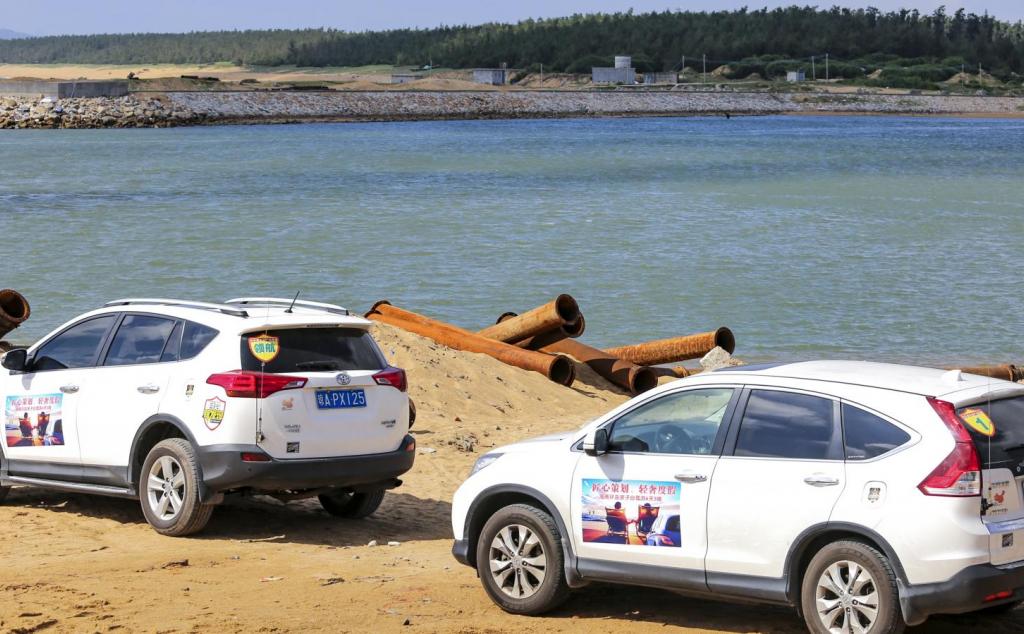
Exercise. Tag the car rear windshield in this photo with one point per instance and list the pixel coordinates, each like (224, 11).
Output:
(997, 428)
(310, 350)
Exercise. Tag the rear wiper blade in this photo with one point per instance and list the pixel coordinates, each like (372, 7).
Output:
(317, 365)
(1014, 447)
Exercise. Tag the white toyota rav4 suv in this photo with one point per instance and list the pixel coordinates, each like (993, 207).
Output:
(868, 496)
(177, 403)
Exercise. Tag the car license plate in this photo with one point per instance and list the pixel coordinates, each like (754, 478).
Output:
(340, 399)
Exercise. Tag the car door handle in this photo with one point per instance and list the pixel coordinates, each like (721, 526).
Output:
(819, 480)
(149, 389)
(691, 476)
(69, 389)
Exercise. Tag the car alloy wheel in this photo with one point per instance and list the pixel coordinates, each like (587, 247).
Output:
(518, 561)
(846, 598)
(166, 488)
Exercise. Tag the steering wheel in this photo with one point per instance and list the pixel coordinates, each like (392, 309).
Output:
(673, 439)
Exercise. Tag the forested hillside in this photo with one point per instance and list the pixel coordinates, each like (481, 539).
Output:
(765, 41)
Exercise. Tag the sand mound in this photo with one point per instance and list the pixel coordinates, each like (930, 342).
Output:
(876, 74)
(721, 71)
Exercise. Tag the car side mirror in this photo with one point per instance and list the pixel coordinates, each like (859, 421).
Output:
(16, 360)
(596, 442)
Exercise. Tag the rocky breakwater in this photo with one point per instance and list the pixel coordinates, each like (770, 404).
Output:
(95, 112)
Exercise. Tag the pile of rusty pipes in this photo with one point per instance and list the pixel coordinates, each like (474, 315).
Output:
(14, 310)
(543, 339)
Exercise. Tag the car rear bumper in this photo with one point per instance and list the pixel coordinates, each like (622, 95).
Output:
(224, 470)
(966, 591)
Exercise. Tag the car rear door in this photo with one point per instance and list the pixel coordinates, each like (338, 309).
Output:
(644, 502)
(127, 389)
(351, 402)
(781, 472)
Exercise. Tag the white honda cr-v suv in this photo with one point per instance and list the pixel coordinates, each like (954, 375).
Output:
(177, 403)
(868, 496)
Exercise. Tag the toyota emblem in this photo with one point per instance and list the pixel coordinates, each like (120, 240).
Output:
(343, 378)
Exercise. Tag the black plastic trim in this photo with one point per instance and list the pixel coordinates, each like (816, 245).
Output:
(223, 469)
(963, 592)
(101, 475)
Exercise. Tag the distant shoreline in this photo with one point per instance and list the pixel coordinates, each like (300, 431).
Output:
(172, 109)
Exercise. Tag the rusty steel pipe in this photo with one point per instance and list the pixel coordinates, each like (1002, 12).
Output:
(677, 348)
(1008, 372)
(14, 310)
(555, 367)
(631, 377)
(676, 372)
(566, 331)
(511, 328)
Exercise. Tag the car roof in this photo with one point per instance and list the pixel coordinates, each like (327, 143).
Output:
(890, 376)
(241, 316)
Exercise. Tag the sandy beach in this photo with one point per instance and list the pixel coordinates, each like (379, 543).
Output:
(79, 563)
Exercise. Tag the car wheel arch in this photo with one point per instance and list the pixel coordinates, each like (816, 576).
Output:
(809, 542)
(154, 429)
(494, 498)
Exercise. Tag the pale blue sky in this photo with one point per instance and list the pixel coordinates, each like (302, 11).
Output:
(49, 17)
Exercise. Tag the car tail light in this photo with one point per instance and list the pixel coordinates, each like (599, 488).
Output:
(959, 474)
(1003, 594)
(254, 456)
(245, 384)
(395, 377)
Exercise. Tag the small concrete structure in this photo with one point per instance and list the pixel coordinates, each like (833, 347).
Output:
(661, 78)
(63, 89)
(600, 75)
(623, 61)
(796, 75)
(490, 76)
(406, 78)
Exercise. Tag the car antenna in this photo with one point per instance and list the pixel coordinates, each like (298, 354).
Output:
(295, 299)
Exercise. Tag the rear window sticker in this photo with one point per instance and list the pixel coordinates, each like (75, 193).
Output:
(978, 420)
(264, 347)
(631, 512)
(34, 420)
(213, 413)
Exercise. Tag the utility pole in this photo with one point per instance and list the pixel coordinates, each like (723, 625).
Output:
(542, 73)
(704, 73)
(826, 66)
(963, 73)
(814, 74)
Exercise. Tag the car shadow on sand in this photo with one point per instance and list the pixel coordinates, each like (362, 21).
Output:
(650, 606)
(402, 517)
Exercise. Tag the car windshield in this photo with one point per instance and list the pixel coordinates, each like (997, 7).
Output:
(310, 350)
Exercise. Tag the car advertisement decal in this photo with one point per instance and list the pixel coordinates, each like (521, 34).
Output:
(265, 348)
(978, 420)
(34, 420)
(213, 413)
(631, 512)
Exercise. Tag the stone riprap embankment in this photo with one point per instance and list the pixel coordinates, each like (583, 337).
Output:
(94, 112)
(191, 108)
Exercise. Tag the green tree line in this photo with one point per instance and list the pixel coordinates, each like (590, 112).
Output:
(863, 38)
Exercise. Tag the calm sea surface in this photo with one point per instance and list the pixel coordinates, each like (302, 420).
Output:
(865, 237)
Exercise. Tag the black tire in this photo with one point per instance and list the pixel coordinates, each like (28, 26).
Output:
(192, 515)
(888, 618)
(552, 590)
(352, 506)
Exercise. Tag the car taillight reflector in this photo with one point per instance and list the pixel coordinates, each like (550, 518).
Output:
(1004, 594)
(253, 456)
(245, 384)
(395, 377)
(959, 474)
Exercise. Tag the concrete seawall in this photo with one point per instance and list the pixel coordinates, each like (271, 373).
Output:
(194, 108)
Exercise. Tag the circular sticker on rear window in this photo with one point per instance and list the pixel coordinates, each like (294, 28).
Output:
(264, 347)
(978, 420)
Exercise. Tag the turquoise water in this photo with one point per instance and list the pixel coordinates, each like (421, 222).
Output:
(840, 237)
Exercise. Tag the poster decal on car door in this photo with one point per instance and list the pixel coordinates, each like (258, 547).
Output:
(631, 512)
(34, 420)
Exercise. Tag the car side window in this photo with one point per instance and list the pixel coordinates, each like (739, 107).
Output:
(76, 347)
(787, 425)
(140, 339)
(195, 339)
(868, 436)
(680, 423)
